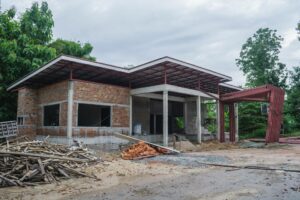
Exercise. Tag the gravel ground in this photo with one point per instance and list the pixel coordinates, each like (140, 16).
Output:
(189, 160)
(216, 184)
(181, 177)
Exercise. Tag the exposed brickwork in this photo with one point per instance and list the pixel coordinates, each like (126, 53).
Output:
(120, 116)
(31, 102)
(96, 92)
(53, 93)
(102, 93)
(63, 114)
(27, 101)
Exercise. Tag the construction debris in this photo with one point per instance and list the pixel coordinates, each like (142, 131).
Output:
(25, 162)
(129, 138)
(141, 150)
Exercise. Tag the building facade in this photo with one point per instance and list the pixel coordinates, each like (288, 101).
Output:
(74, 98)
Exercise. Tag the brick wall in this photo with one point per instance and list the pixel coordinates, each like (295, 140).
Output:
(31, 103)
(27, 101)
(97, 93)
(30, 106)
(120, 116)
(56, 93)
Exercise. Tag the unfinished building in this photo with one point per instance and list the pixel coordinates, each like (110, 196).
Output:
(75, 98)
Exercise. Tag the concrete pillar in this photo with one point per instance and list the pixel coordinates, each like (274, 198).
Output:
(70, 109)
(130, 115)
(236, 109)
(154, 124)
(185, 116)
(218, 118)
(165, 118)
(199, 129)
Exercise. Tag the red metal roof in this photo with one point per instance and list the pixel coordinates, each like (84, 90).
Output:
(177, 72)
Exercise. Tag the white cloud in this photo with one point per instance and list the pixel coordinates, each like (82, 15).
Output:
(204, 32)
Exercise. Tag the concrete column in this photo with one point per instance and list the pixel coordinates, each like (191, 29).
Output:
(130, 115)
(218, 118)
(199, 129)
(165, 118)
(70, 109)
(236, 111)
(154, 124)
(185, 116)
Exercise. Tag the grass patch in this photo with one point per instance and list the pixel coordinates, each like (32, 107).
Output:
(292, 134)
(259, 133)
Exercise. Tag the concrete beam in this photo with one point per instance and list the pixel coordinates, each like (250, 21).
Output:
(150, 89)
(160, 97)
(171, 88)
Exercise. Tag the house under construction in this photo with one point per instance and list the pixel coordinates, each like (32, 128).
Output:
(76, 98)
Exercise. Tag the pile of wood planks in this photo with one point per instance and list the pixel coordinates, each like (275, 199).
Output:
(141, 150)
(25, 162)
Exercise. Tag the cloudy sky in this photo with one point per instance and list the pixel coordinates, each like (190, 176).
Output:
(203, 32)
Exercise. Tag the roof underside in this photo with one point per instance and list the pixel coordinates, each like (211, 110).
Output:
(258, 94)
(144, 75)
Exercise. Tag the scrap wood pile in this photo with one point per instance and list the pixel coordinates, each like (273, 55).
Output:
(24, 162)
(142, 150)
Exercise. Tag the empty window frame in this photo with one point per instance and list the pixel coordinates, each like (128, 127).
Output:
(90, 115)
(51, 115)
(20, 120)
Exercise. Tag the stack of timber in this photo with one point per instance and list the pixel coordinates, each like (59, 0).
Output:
(25, 162)
(141, 150)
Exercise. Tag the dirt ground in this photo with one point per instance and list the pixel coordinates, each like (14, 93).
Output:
(181, 176)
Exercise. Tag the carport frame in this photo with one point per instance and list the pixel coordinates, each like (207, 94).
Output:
(266, 93)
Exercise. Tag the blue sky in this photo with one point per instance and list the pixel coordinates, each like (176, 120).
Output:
(204, 32)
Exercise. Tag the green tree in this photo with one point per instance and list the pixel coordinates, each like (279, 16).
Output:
(73, 48)
(259, 59)
(293, 100)
(293, 94)
(21, 51)
(37, 23)
(23, 48)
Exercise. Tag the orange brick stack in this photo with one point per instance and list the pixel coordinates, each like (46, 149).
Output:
(139, 150)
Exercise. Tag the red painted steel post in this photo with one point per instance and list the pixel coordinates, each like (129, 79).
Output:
(275, 115)
(71, 73)
(222, 125)
(231, 122)
(165, 75)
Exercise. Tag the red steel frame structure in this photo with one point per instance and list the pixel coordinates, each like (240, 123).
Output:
(266, 93)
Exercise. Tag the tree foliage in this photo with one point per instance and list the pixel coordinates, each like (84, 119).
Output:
(73, 48)
(24, 46)
(37, 23)
(259, 59)
(293, 98)
(293, 94)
